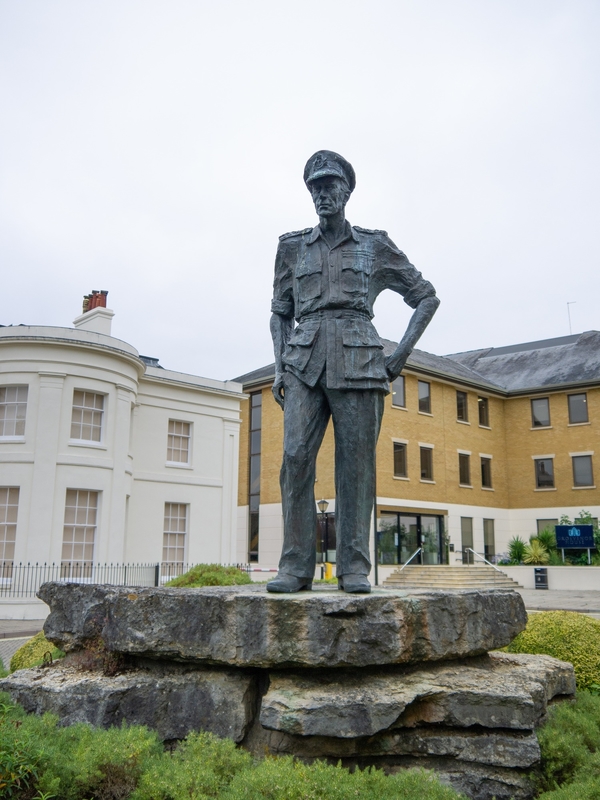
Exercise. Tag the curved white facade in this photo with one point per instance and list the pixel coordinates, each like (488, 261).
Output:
(97, 424)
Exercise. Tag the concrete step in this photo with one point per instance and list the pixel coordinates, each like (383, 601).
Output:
(443, 576)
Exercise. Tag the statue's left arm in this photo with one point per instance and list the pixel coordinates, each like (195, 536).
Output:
(394, 271)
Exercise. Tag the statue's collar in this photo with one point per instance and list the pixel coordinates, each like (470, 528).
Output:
(350, 234)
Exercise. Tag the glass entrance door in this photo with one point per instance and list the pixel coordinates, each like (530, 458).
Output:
(400, 535)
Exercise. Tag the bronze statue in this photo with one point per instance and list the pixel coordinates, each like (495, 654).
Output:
(331, 364)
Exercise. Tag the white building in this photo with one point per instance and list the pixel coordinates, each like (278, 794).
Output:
(105, 457)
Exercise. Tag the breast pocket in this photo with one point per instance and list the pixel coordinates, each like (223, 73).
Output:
(363, 354)
(356, 268)
(308, 278)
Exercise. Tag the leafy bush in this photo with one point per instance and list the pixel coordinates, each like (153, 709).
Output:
(566, 635)
(40, 759)
(570, 746)
(33, 651)
(547, 537)
(286, 779)
(535, 553)
(516, 548)
(210, 575)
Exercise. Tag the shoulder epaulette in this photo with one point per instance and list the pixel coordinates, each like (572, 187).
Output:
(294, 233)
(368, 230)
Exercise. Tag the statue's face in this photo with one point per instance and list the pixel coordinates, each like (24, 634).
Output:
(330, 194)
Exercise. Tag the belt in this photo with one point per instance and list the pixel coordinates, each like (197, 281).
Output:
(335, 313)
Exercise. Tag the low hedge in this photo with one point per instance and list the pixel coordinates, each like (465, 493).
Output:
(33, 651)
(566, 635)
(39, 758)
(210, 575)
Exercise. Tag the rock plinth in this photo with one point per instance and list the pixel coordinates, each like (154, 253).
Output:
(393, 679)
(245, 626)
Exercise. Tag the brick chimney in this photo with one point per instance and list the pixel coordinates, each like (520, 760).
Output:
(96, 316)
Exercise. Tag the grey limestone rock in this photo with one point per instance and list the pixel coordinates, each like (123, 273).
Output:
(247, 627)
(171, 700)
(493, 691)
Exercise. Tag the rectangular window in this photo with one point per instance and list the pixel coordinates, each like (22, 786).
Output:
(582, 471)
(466, 539)
(426, 464)
(540, 412)
(484, 412)
(9, 507)
(489, 539)
(79, 533)
(254, 473)
(544, 473)
(578, 410)
(13, 409)
(86, 419)
(400, 465)
(398, 392)
(462, 406)
(464, 469)
(178, 442)
(174, 532)
(486, 472)
(546, 524)
(424, 397)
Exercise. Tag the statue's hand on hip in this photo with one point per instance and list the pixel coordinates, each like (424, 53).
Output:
(394, 364)
(277, 389)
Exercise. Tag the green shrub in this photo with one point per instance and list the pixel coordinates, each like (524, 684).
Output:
(211, 575)
(566, 635)
(547, 537)
(535, 553)
(516, 548)
(33, 651)
(286, 779)
(570, 747)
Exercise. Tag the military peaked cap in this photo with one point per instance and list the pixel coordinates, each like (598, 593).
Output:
(326, 162)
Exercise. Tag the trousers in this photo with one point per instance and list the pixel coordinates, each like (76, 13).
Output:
(356, 415)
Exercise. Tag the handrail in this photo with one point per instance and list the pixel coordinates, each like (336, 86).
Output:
(470, 549)
(416, 553)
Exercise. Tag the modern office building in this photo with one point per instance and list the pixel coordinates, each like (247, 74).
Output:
(475, 448)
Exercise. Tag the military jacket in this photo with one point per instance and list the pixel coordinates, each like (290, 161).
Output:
(331, 292)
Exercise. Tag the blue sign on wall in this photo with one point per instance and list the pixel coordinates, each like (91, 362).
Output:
(581, 536)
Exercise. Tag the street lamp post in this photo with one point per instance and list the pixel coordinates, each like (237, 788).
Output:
(323, 506)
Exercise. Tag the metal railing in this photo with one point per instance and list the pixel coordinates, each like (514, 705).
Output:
(416, 553)
(24, 580)
(482, 558)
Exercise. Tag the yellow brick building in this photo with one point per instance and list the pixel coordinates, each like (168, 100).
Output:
(474, 449)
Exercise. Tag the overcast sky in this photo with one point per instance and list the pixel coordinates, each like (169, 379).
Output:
(156, 149)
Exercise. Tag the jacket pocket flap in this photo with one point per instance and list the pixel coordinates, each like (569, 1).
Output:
(303, 336)
(307, 268)
(364, 337)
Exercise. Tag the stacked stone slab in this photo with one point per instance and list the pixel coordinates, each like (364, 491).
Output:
(392, 679)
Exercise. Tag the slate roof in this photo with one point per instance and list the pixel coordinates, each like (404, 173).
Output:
(568, 361)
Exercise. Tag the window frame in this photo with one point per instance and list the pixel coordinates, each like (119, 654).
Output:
(174, 434)
(486, 461)
(168, 533)
(421, 400)
(535, 426)
(394, 391)
(74, 567)
(12, 437)
(8, 526)
(464, 398)
(576, 485)
(464, 469)
(400, 447)
(538, 461)
(102, 411)
(429, 450)
(587, 410)
(483, 403)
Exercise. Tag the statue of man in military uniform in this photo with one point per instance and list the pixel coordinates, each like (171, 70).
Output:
(331, 364)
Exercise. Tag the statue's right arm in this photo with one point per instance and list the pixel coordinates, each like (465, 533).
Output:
(281, 327)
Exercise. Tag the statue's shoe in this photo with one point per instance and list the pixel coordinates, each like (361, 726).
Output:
(289, 583)
(354, 584)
